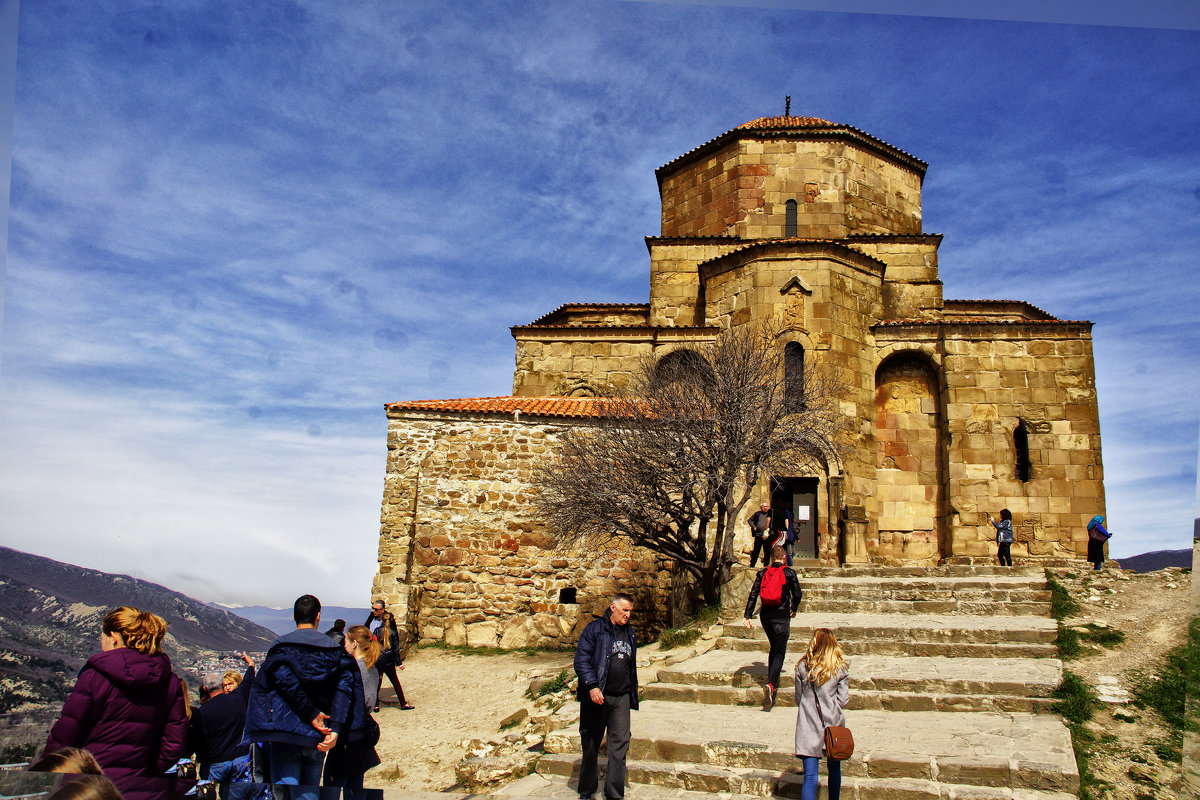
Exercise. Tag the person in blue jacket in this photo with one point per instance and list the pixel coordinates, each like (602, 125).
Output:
(306, 693)
(606, 663)
(1004, 537)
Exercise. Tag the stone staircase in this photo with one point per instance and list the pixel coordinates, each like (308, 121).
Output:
(950, 677)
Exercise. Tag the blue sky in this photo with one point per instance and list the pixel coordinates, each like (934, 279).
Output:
(238, 229)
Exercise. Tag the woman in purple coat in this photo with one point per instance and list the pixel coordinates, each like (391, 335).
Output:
(127, 707)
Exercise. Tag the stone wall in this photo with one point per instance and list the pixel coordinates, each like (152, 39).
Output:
(463, 557)
(996, 376)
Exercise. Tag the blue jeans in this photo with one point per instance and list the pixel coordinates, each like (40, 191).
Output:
(232, 778)
(811, 765)
(293, 765)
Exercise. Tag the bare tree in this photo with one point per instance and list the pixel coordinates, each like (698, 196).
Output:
(673, 461)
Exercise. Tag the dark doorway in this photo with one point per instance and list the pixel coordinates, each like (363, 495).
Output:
(800, 495)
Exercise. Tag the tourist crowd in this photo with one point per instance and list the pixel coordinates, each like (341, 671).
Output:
(298, 726)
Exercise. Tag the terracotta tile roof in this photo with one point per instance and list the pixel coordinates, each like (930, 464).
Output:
(811, 125)
(786, 122)
(575, 407)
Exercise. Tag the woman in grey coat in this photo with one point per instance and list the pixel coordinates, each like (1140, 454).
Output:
(822, 679)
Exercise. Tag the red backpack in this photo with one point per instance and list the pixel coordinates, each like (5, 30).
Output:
(771, 590)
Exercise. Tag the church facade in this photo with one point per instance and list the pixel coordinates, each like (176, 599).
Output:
(954, 409)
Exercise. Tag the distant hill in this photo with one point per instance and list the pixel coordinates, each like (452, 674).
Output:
(50, 615)
(280, 619)
(1148, 562)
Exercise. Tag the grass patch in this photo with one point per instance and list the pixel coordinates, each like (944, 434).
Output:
(1062, 605)
(1068, 643)
(1170, 749)
(1105, 637)
(708, 615)
(677, 637)
(1075, 700)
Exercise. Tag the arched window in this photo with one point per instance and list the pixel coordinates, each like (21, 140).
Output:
(793, 377)
(789, 219)
(1021, 445)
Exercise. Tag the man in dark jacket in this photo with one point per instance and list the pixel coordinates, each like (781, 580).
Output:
(776, 617)
(216, 736)
(606, 663)
(303, 697)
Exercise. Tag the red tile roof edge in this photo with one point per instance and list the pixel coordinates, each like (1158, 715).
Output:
(563, 407)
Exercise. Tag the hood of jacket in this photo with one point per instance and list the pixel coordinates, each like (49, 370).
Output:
(128, 668)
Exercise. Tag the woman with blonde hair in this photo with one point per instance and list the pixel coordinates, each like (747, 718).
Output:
(354, 753)
(127, 708)
(822, 691)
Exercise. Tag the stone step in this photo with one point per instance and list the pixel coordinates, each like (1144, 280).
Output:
(860, 699)
(708, 746)
(1007, 676)
(952, 605)
(907, 648)
(927, 584)
(940, 628)
(943, 570)
(890, 683)
(661, 781)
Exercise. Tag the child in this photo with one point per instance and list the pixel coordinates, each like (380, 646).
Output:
(822, 691)
(1004, 537)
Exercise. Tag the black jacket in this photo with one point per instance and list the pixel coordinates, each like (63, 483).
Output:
(790, 600)
(216, 727)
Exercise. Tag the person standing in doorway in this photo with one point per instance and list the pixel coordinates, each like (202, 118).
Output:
(1004, 537)
(760, 532)
(779, 590)
(606, 663)
(783, 529)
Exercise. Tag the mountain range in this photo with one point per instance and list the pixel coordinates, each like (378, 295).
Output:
(50, 615)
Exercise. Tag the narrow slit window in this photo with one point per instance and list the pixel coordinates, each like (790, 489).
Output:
(1021, 445)
(793, 377)
(789, 219)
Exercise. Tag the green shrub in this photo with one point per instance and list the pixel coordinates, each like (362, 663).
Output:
(677, 637)
(1169, 750)
(708, 615)
(556, 684)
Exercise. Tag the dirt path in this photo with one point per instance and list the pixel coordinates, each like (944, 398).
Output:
(457, 698)
(1152, 611)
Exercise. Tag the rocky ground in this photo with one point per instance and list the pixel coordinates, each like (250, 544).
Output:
(1152, 610)
(461, 700)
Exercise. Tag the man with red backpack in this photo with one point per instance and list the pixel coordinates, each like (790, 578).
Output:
(779, 590)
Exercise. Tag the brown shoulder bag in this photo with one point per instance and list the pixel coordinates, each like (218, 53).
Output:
(839, 743)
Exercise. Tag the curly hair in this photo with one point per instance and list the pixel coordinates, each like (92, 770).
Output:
(138, 630)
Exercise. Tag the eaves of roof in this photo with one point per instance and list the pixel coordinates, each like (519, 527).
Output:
(795, 128)
(593, 307)
(793, 245)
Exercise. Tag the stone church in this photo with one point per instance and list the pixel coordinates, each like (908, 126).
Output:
(955, 408)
